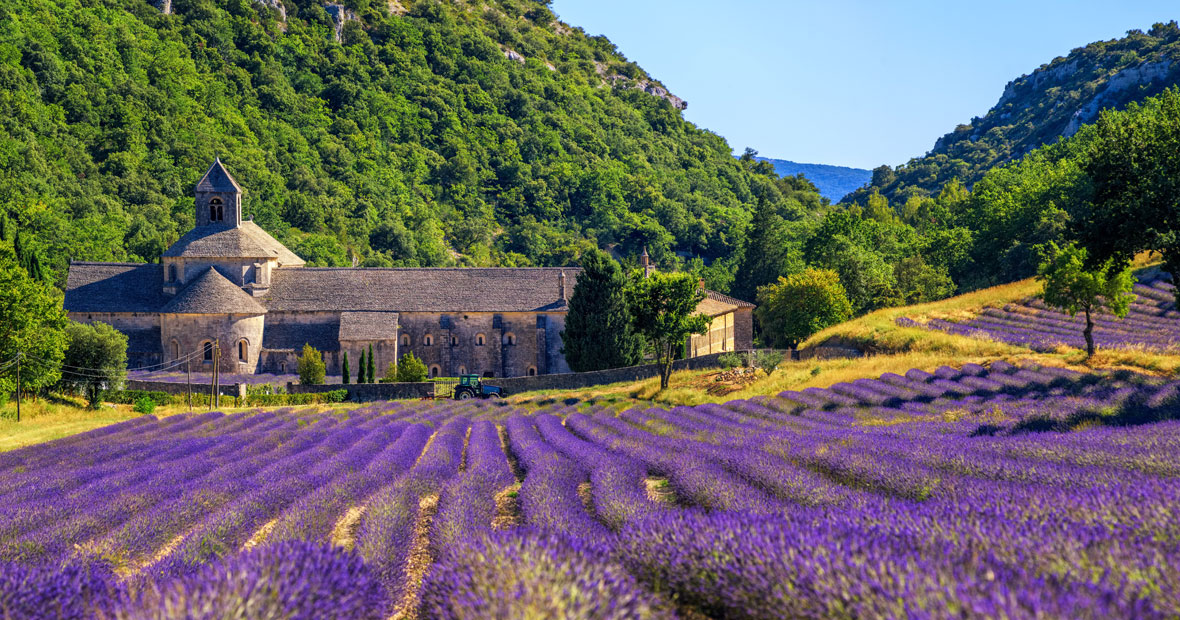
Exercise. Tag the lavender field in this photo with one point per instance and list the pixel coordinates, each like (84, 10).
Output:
(1151, 324)
(973, 492)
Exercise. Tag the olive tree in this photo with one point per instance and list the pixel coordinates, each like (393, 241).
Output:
(1073, 288)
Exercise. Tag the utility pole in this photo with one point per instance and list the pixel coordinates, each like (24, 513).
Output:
(213, 379)
(217, 371)
(188, 383)
(18, 354)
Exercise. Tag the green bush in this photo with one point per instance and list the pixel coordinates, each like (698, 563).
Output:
(730, 360)
(410, 369)
(768, 361)
(145, 405)
(311, 366)
(336, 396)
(132, 397)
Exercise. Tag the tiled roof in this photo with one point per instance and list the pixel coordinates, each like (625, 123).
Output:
(229, 241)
(366, 326)
(218, 179)
(419, 290)
(114, 287)
(726, 299)
(212, 293)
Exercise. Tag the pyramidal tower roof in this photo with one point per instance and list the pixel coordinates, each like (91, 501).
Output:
(218, 179)
(212, 293)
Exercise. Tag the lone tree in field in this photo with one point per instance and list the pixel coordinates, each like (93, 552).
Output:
(310, 366)
(96, 359)
(1073, 288)
(663, 308)
(598, 332)
(802, 304)
(1133, 175)
(345, 373)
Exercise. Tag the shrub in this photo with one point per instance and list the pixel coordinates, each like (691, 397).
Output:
(768, 361)
(730, 360)
(410, 369)
(390, 374)
(145, 405)
(336, 396)
(311, 366)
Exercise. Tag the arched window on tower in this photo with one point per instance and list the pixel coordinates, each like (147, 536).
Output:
(428, 340)
(510, 339)
(243, 350)
(479, 340)
(405, 340)
(216, 210)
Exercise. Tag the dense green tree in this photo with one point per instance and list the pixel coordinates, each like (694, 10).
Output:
(410, 369)
(663, 308)
(920, 282)
(310, 366)
(345, 372)
(598, 329)
(95, 360)
(362, 369)
(800, 305)
(1074, 287)
(371, 369)
(413, 141)
(1132, 164)
(32, 325)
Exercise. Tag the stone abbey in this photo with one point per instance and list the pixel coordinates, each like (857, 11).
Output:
(228, 281)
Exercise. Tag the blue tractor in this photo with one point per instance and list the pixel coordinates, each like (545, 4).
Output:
(471, 387)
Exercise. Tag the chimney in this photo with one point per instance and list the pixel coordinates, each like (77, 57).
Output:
(645, 262)
(561, 285)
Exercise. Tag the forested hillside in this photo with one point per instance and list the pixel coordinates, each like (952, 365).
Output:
(378, 133)
(1052, 102)
(833, 182)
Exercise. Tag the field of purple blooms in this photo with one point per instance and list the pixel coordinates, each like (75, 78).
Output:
(1151, 324)
(978, 492)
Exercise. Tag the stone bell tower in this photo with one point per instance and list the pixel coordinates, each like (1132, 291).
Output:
(219, 198)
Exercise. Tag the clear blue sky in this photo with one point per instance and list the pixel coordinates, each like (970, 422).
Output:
(848, 82)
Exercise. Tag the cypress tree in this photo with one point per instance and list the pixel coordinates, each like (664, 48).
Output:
(598, 329)
(360, 369)
(372, 366)
(3, 226)
(344, 374)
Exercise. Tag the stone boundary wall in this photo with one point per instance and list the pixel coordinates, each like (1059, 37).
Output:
(236, 390)
(368, 392)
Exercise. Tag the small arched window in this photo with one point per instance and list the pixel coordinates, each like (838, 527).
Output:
(172, 273)
(243, 351)
(532, 371)
(479, 340)
(462, 370)
(428, 340)
(207, 351)
(454, 341)
(510, 339)
(405, 340)
(435, 371)
(216, 212)
(175, 349)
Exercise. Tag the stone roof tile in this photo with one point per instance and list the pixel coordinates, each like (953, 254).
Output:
(212, 293)
(114, 287)
(229, 241)
(218, 179)
(419, 290)
(368, 326)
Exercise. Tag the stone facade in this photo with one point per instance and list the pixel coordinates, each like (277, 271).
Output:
(227, 282)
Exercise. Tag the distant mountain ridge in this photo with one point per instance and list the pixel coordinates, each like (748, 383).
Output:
(1040, 108)
(834, 182)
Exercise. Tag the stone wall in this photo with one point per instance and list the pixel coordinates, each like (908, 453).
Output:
(184, 334)
(236, 390)
(368, 392)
